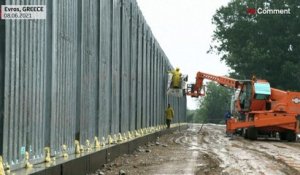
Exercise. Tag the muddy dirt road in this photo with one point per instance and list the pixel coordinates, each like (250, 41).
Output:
(210, 152)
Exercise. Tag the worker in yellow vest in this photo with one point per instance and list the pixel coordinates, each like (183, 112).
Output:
(169, 113)
(176, 79)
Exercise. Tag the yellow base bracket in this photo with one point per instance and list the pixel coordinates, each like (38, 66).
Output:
(120, 138)
(47, 155)
(133, 134)
(110, 140)
(87, 145)
(27, 163)
(2, 170)
(115, 139)
(64, 151)
(81, 148)
(103, 141)
(129, 135)
(96, 142)
(124, 137)
(77, 147)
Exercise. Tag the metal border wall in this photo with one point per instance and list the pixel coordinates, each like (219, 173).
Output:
(93, 68)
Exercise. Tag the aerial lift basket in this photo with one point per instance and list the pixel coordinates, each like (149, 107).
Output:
(177, 92)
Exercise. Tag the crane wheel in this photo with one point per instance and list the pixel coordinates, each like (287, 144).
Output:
(291, 136)
(252, 133)
(245, 133)
(282, 135)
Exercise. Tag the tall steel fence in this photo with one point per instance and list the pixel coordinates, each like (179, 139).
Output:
(92, 68)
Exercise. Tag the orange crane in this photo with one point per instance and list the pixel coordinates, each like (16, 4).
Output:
(261, 110)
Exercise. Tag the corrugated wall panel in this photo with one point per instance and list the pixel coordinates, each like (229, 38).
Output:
(64, 67)
(151, 98)
(144, 74)
(155, 82)
(105, 67)
(151, 78)
(139, 72)
(148, 79)
(89, 68)
(54, 89)
(159, 88)
(116, 66)
(125, 71)
(162, 95)
(157, 96)
(133, 65)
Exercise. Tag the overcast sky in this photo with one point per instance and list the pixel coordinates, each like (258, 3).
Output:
(183, 29)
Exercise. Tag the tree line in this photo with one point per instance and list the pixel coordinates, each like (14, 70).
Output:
(264, 45)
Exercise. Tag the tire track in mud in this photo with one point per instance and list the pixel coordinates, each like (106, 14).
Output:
(286, 153)
(203, 163)
(287, 170)
(187, 140)
(238, 158)
(280, 152)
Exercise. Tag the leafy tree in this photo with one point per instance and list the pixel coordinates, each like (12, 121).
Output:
(215, 103)
(265, 45)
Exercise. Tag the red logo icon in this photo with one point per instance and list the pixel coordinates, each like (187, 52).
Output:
(251, 11)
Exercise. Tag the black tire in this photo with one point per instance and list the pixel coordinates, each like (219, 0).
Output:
(239, 132)
(252, 133)
(282, 135)
(245, 133)
(291, 136)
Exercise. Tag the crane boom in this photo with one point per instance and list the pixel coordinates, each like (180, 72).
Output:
(222, 80)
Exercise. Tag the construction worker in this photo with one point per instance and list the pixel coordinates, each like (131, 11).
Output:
(176, 79)
(227, 117)
(169, 113)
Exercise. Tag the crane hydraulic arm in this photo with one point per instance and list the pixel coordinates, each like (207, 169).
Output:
(195, 89)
